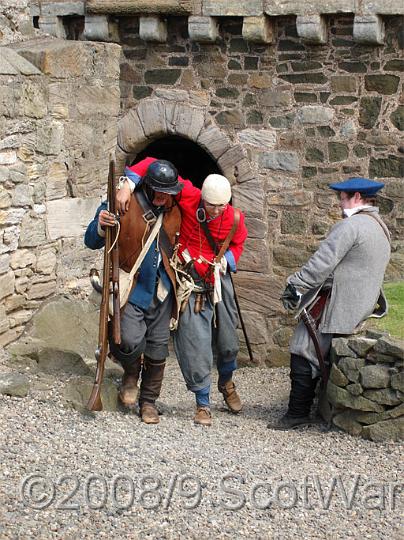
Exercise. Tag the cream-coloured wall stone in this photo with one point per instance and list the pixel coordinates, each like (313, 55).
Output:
(153, 29)
(232, 8)
(4, 263)
(22, 258)
(53, 26)
(312, 28)
(309, 7)
(369, 29)
(100, 28)
(6, 284)
(133, 7)
(69, 217)
(257, 29)
(203, 29)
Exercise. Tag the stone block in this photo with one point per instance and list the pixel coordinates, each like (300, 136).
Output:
(151, 114)
(133, 7)
(384, 7)
(383, 84)
(232, 8)
(250, 198)
(14, 384)
(100, 28)
(275, 99)
(368, 29)
(57, 57)
(361, 345)
(94, 99)
(259, 293)
(347, 422)
(355, 389)
(389, 430)
(384, 396)
(69, 217)
(337, 376)
(390, 346)
(131, 135)
(61, 8)
(258, 138)
(6, 284)
(339, 397)
(214, 140)
(312, 28)
(22, 258)
(315, 114)
(257, 29)
(18, 63)
(375, 376)
(33, 232)
(397, 381)
(203, 29)
(153, 28)
(350, 367)
(297, 7)
(255, 256)
(53, 26)
(281, 161)
(183, 120)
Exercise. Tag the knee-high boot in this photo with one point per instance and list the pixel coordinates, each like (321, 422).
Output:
(150, 387)
(128, 388)
(303, 387)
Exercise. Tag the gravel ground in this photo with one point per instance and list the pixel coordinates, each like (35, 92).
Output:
(69, 475)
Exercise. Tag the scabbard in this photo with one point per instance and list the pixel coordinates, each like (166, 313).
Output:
(309, 323)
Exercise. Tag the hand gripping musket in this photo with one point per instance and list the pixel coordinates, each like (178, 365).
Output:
(110, 280)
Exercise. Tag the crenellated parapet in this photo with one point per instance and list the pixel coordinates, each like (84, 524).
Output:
(204, 16)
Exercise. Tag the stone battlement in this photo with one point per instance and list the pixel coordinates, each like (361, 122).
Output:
(203, 16)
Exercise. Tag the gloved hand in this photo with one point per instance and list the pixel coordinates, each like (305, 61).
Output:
(290, 297)
(231, 261)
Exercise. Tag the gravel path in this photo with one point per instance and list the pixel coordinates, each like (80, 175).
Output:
(94, 471)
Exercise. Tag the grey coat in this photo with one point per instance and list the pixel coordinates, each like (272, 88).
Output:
(355, 255)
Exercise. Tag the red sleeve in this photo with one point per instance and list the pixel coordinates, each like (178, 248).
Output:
(141, 167)
(237, 244)
(188, 193)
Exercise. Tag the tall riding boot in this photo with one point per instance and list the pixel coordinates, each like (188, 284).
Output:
(302, 392)
(128, 388)
(150, 387)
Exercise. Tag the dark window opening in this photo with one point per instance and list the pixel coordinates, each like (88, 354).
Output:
(35, 22)
(192, 162)
(74, 27)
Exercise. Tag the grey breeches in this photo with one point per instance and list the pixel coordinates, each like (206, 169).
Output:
(196, 340)
(144, 331)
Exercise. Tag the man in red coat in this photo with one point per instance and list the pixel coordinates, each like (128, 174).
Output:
(208, 322)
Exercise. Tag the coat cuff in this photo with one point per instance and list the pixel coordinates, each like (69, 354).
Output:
(100, 231)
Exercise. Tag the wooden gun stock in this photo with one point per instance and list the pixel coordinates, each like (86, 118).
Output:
(110, 270)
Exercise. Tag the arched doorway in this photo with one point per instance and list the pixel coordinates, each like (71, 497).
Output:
(191, 161)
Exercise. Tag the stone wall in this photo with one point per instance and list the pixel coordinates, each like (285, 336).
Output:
(288, 118)
(366, 386)
(286, 99)
(59, 103)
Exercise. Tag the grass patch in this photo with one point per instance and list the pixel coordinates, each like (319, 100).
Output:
(393, 322)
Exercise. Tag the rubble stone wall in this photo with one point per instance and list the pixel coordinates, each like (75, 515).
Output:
(59, 103)
(366, 386)
(285, 120)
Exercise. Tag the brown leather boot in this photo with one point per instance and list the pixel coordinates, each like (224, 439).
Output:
(150, 387)
(203, 416)
(149, 413)
(231, 398)
(128, 389)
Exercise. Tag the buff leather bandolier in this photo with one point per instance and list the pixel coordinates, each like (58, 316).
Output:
(136, 225)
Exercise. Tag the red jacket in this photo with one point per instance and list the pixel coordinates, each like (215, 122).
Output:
(192, 236)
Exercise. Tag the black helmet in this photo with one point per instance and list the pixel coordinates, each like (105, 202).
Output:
(161, 175)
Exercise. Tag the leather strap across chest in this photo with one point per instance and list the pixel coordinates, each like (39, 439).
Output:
(150, 216)
(215, 248)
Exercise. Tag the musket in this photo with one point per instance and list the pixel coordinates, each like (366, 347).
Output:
(94, 402)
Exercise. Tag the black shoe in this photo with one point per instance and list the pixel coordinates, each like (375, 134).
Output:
(290, 422)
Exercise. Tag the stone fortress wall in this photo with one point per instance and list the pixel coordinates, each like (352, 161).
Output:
(286, 96)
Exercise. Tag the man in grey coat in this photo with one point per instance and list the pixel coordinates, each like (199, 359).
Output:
(344, 277)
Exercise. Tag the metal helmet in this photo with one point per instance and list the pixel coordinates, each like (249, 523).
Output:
(161, 175)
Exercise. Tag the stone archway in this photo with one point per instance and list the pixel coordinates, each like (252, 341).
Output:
(156, 118)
